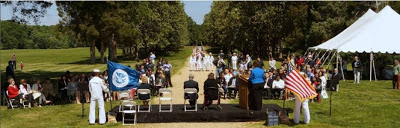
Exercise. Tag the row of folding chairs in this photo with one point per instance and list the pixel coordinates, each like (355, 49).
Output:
(130, 107)
(12, 103)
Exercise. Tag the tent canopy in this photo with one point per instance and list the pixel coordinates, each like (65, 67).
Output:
(371, 33)
(347, 33)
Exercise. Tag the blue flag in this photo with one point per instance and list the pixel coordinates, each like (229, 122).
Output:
(122, 77)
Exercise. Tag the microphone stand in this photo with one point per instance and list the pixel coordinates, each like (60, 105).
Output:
(330, 103)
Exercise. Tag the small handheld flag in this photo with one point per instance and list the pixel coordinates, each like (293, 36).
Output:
(122, 77)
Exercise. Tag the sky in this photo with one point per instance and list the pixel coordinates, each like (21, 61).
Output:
(195, 9)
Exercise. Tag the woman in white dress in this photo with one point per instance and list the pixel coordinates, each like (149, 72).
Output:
(192, 62)
(210, 61)
(200, 62)
(205, 62)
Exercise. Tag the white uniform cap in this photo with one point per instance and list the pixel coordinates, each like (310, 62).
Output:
(96, 70)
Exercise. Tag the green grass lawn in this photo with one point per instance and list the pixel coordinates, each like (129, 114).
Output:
(53, 63)
(368, 104)
(42, 63)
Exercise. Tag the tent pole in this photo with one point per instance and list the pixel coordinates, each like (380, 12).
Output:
(306, 51)
(341, 68)
(323, 55)
(327, 57)
(337, 60)
(315, 57)
(370, 66)
(373, 64)
(331, 59)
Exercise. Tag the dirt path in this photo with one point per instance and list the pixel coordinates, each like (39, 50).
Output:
(183, 75)
(177, 95)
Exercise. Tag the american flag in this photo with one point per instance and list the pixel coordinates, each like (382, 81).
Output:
(297, 84)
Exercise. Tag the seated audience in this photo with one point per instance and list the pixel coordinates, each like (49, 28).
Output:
(233, 85)
(72, 89)
(144, 85)
(211, 92)
(278, 86)
(62, 87)
(160, 83)
(37, 93)
(191, 84)
(13, 92)
(26, 91)
(83, 87)
(268, 85)
(47, 90)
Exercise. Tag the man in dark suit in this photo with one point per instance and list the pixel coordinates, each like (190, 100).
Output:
(335, 78)
(10, 70)
(268, 85)
(191, 84)
(233, 85)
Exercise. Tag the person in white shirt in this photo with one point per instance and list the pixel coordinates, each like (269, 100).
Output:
(278, 86)
(234, 61)
(272, 63)
(205, 61)
(200, 62)
(192, 62)
(26, 91)
(152, 57)
(227, 77)
(96, 88)
(210, 61)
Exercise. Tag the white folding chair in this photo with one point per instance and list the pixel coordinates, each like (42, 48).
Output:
(123, 96)
(144, 92)
(11, 101)
(190, 91)
(132, 110)
(165, 97)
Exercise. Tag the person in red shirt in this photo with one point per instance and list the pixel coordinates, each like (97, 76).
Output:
(299, 62)
(13, 92)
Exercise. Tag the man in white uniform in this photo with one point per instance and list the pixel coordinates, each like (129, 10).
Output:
(210, 62)
(205, 61)
(306, 111)
(234, 61)
(96, 88)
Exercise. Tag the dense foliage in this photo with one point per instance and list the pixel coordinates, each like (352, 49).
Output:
(275, 28)
(152, 26)
(20, 36)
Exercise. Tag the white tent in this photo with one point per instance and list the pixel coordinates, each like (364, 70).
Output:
(347, 33)
(372, 33)
(381, 34)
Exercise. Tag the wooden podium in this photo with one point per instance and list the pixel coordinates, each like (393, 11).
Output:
(243, 92)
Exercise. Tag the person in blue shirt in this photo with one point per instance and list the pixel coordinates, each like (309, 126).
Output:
(257, 80)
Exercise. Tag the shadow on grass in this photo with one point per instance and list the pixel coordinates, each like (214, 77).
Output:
(85, 61)
(41, 75)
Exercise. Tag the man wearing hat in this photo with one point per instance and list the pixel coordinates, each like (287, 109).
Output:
(96, 88)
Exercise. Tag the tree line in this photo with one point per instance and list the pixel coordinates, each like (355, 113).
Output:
(133, 26)
(15, 35)
(264, 29)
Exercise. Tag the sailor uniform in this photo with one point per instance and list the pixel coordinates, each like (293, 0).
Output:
(96, 88)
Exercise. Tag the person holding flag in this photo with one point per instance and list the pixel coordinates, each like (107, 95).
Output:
(303, 90)
(96, 88)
